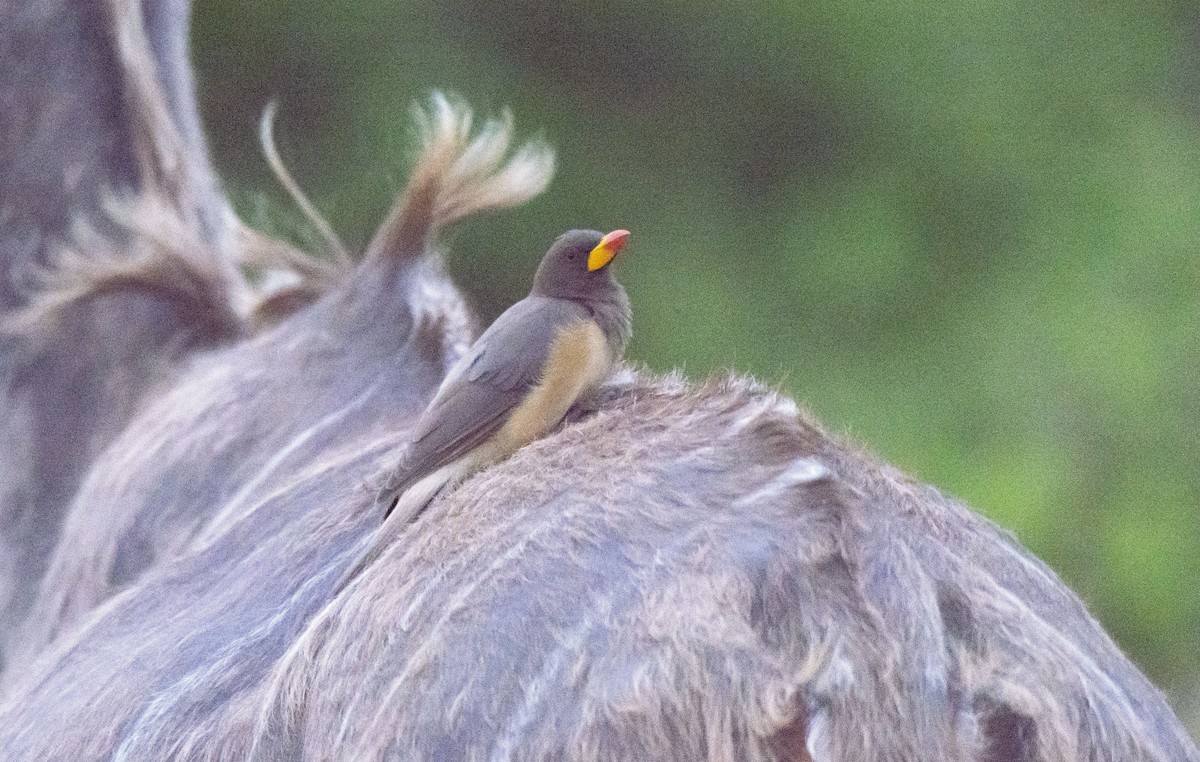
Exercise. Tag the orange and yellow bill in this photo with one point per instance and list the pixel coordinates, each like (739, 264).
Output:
(608, 248)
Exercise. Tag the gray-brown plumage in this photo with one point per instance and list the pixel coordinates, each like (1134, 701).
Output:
(543, 355)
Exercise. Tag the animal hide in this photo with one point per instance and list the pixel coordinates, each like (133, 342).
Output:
(695, 571)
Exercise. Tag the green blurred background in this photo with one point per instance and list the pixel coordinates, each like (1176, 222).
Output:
(965, 233)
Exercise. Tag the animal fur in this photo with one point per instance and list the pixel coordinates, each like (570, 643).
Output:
(119, 256)
(697, 571)
(370, 352)
(107, 282)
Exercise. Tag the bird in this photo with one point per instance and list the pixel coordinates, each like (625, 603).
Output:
(544, 355)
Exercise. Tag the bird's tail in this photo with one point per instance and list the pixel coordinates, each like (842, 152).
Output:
(413, 498)
(457, 175)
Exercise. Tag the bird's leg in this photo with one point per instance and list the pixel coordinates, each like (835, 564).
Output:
(586, 406)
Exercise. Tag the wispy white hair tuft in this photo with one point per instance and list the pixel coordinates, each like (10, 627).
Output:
(457, 175)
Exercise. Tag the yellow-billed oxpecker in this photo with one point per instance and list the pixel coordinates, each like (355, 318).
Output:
(518, 380)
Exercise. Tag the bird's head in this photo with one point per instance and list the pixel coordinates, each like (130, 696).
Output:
(577, 264)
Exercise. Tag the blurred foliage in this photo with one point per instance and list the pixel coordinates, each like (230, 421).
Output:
(965, 232)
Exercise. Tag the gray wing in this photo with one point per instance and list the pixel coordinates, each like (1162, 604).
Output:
(486, 385)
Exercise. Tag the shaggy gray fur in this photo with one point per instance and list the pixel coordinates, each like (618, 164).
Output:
(362, 360)
(697, 571)
(102, 298)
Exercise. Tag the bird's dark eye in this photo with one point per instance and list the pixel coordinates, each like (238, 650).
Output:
(571, 256)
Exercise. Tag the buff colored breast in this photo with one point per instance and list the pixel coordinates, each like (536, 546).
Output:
(578, 361)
